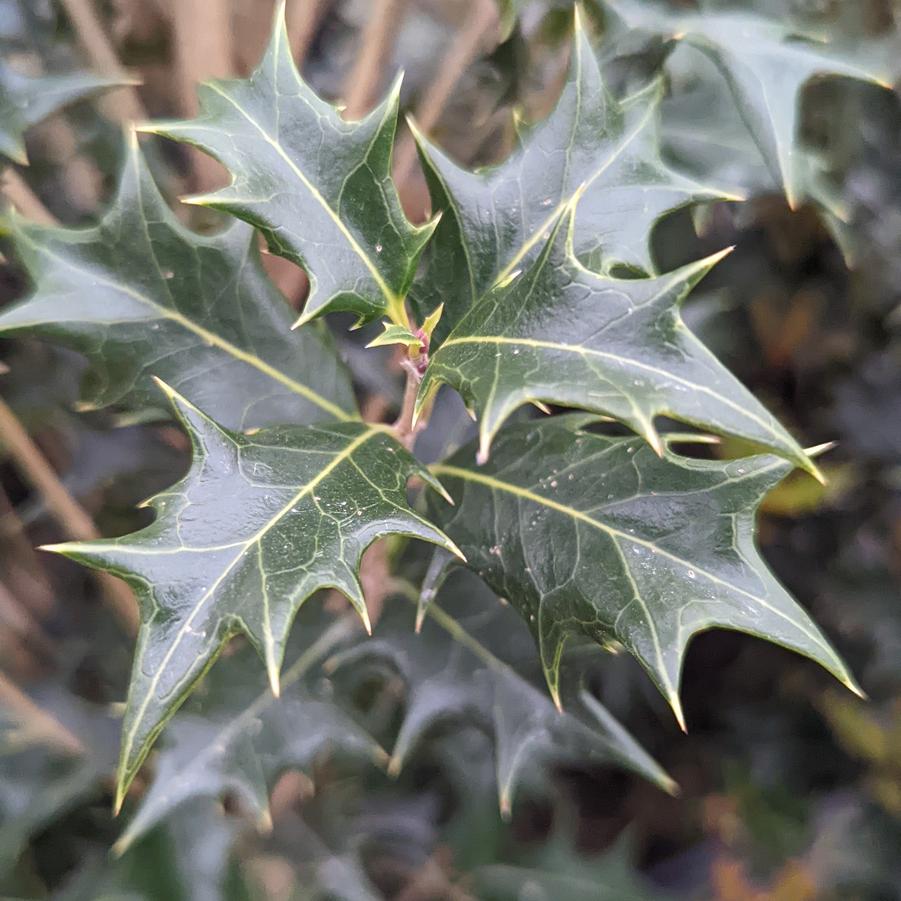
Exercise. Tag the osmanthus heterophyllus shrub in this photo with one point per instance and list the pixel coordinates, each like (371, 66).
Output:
(533, 284)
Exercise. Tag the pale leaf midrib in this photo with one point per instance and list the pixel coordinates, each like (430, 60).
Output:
(540, 230)
(499, 485)
(617, 358)
(129, 735)
(390, 296)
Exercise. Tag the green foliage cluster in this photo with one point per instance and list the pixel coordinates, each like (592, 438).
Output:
(534, 292)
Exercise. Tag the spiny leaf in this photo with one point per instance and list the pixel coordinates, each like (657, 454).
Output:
(317, 186)
(25, 101)
(254, 529)
(143, 296)
(238, 738)
(560, 334)
(597, 536)
(451, 675)
(766, 65)
(495, 221)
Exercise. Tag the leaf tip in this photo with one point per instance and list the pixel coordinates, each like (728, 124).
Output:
(676, 706)
(395, 765)
(505, 805)
(275, 682)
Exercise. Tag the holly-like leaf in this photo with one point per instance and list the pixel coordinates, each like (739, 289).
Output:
(25, 101)
(766, 63)
(238, 738)
(452, 675)
(319, 187)
(561, 334)
(597, 536)
(494, 221)
(257, 526)
(143, 296)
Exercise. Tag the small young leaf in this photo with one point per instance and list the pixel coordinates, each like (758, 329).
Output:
(143, 296)
(317, 186)
(494, 221)
(395, 334)
(254, 529)
(561, 334)
(597, 536)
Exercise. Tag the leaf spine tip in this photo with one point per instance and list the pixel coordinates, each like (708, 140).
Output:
(819, 449)
(670, 786)
(122, 845)
(381, 757)
(274, 680)
(676, 705)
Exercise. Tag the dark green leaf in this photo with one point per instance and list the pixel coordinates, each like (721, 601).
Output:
(318, 187)
(143, 296)
(190, 857)
(254, 529)
(561, 334)
(597, 536)
(495, 221)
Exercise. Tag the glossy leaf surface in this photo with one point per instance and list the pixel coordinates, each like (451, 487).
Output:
(143, 296)
(237, 738)
(451, 676)
(319, 187)
(495, 221)
(26, 100)
(597, 536)
(254, 529)
(561, 334)
(766, 64)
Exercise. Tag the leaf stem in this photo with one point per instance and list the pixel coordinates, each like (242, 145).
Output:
(481, 28)
(24, 199)
(404, 430)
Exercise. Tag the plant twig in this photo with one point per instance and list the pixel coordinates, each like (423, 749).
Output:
(124, 105)
(40, 723)
(481, 29)
(378, 38)
(403, 427)
(65, 509)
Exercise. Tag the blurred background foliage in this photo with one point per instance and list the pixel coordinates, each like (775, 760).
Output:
(790, 787)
